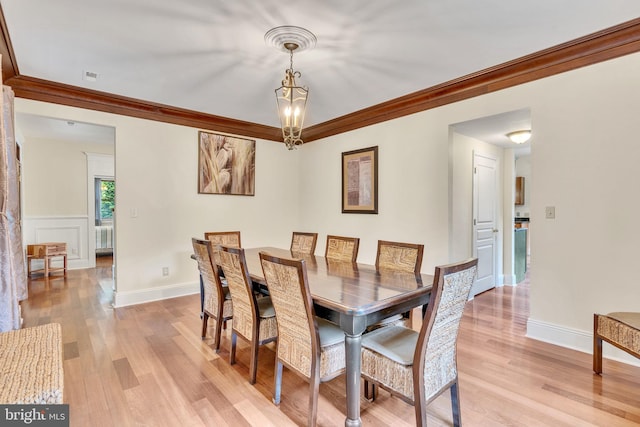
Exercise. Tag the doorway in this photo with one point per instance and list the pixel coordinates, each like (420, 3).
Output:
(66, 155)
(486, 135)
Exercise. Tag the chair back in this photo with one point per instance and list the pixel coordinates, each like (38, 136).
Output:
(226, 238)
(245, 306)
(399, 256)
(213, 294)
(434, 365)
(342, 248)
(304, 243)
(298, 339)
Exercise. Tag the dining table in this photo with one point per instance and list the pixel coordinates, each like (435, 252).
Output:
(353, 296)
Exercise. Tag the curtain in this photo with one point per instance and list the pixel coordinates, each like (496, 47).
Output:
(13, 278)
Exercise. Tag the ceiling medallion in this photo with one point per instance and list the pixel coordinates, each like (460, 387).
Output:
(278, 37)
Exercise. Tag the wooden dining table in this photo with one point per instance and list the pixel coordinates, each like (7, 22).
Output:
(353, 296)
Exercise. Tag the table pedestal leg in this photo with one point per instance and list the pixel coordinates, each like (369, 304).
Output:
(352, 349)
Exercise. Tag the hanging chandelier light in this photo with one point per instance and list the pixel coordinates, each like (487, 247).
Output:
(291, 99)
(292, 102)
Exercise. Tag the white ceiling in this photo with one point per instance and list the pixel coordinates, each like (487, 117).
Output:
(37, 127)
(210, 55)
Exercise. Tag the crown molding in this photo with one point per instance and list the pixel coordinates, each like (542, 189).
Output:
(620, 40)
(9, 64)
(607, 44)
(58, 93)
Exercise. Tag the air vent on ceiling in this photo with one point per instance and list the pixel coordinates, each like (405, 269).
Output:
(89, 76)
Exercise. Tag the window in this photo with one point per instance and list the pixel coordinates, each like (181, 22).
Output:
(105, 200)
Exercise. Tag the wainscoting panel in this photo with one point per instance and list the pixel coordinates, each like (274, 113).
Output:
(69, 229)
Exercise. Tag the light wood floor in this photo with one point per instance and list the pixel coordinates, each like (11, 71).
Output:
(146, 365)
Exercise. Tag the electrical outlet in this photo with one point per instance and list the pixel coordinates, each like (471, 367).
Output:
(550, 212)
(165, 271)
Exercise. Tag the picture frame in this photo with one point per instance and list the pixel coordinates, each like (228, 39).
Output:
(360, 181)
(226, 164)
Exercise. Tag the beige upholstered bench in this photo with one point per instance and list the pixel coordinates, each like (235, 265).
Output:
(621, 329)
(31, 365)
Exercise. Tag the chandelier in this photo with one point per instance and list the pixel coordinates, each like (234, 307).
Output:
(291, 99)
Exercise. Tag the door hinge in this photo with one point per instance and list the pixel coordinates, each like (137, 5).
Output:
(474, 221)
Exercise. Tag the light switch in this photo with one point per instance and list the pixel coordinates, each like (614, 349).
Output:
(133, 212)
(550, 212)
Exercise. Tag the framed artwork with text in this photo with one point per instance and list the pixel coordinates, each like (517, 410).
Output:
(360, 181)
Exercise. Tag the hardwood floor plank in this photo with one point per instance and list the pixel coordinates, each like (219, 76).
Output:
(209, 415)
(125, 374)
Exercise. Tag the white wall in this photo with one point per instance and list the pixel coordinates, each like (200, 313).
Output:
(584, 150)
(413, 188)
(54, 176)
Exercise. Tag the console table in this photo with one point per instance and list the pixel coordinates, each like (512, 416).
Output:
(46, 251)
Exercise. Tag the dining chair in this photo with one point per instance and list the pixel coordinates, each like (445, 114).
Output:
(419, 366)
(227, 238)
(304, 243)
(254, 319)
(342, 248)
(217, 300)
(311, 347)
(398, 256)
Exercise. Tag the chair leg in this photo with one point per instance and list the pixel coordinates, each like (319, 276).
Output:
(314, 390)
(218, 332)
(205, 319)
(277, 383)
(253, 365)
(369, 391)
(597, 354)
(232, 355)
(455, 404)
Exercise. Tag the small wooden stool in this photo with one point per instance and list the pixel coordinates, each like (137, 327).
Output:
(46, 251)
(620, 329)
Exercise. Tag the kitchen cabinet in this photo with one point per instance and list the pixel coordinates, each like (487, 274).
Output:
(519, 190)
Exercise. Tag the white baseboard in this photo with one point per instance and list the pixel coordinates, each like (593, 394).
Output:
(123, 299)
(575, 339)
(509, 279)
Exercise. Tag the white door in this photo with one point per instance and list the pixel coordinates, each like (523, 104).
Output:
(484, 221)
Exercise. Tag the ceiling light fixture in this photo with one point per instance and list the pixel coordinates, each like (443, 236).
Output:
(519, 136)
(291, 99)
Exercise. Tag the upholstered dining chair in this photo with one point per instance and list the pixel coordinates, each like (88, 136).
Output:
(304, 243)
(342, 248)
(311, 347)
(419, 366)
(253, 318)
(217, 300)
